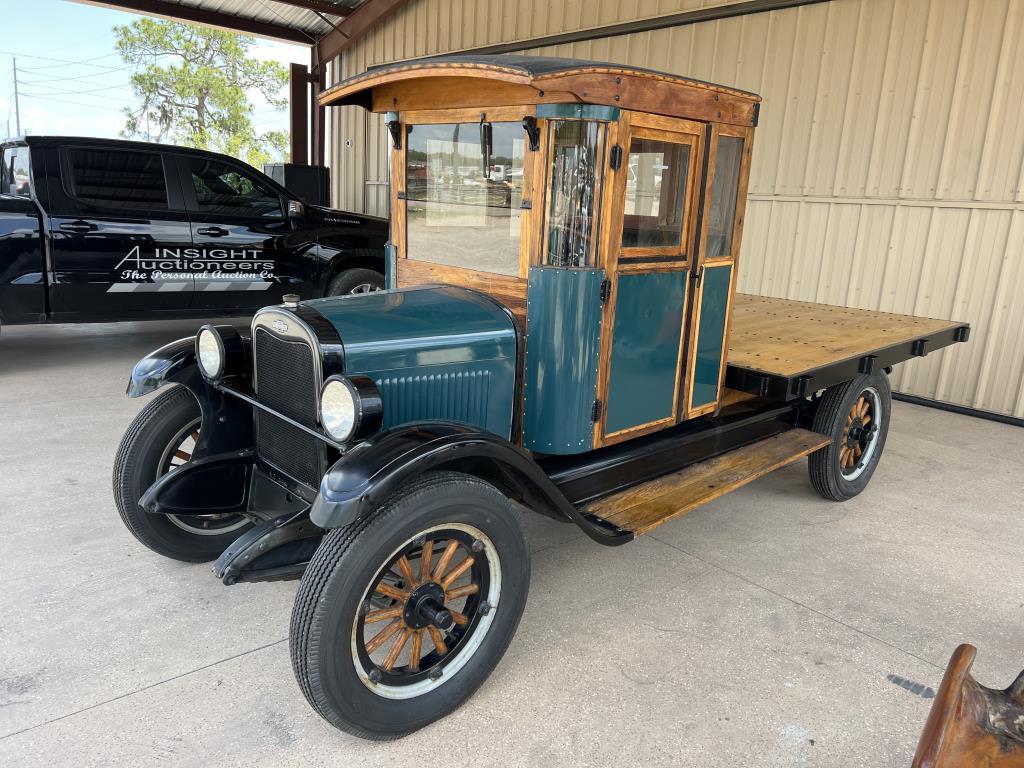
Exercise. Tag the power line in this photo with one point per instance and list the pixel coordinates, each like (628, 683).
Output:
(82, 62)
(75, 103)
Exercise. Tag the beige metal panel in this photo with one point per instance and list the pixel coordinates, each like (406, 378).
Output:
(889, 167)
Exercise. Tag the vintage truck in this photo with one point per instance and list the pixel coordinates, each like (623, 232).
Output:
(97, 230)
(563, 336)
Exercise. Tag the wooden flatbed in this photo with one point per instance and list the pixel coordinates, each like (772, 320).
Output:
(782, 349)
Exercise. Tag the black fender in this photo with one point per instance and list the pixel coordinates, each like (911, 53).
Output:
(375, 469)
(227, 423)
(218, 484)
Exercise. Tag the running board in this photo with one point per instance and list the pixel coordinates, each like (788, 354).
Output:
(644, 507)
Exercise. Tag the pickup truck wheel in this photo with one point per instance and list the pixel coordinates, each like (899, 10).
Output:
(160, 439)
(401, 616)
(856, 415)
(355, 281)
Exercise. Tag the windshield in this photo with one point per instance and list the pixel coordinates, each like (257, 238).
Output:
(16, 179)
(464, 188)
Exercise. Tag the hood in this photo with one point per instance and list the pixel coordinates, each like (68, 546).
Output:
(419, 327)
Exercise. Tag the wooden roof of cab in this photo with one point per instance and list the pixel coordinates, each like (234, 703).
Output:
(472, 81)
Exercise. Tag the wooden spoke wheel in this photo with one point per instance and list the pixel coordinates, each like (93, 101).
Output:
(855, 415)
(404, 613)
(179, 452)
(430, 605)
(859, 434)
(162, 438)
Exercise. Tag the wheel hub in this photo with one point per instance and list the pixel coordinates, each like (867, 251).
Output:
(425, 607)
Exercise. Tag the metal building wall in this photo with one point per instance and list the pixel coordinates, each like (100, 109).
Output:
(888, 167)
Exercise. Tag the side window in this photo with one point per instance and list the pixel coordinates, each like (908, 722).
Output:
(17, 172)
(118, 179)
(576, 147)
(655, 194)
(723, 196)
(464, 189)
(227, 190)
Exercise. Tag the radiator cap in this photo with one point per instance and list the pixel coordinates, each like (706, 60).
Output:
(291, 299)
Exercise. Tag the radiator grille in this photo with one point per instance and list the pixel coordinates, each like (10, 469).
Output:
(286, 381)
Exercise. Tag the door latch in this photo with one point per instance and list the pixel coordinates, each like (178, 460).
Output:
(606, 290)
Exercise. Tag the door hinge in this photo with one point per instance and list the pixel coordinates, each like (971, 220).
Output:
(606, 290)
(616, 158)
(595, 411)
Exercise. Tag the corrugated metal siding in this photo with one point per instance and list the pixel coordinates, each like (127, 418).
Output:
(889, 166)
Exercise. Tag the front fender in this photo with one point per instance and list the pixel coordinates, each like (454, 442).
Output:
(374, 470)
(226, 421)
(171, 363)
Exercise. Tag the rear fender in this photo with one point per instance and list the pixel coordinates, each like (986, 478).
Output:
(227, 423)
(374, 470)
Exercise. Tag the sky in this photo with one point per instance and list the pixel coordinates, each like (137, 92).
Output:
(71, 80)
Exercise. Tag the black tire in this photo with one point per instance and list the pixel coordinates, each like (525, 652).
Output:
(141, 459)
(329, 609)
(356, 280)
(838, 471)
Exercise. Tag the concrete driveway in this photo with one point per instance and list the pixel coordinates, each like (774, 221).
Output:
(770, 628)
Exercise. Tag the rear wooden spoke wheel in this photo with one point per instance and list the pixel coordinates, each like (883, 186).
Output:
(858, 439)
(855, 414)
(426, 611)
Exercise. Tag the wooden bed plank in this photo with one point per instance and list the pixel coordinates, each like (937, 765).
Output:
(789, 338)
(646, 506)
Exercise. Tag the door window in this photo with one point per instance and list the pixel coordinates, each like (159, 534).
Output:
(118, 179)
(16, 172)
(576, 149)
(224, 189)
(464, 190)
(656, 179)
(723, 196)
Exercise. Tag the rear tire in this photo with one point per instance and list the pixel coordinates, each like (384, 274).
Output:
(354, 281)
(142, 458)
(388, 694)
(855, 415)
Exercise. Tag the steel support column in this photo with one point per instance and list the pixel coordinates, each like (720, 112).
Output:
(298, 113)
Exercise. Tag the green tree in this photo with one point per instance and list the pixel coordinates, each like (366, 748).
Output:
(193, 84)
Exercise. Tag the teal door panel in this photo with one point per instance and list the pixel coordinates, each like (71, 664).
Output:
(707, 364)
(563, 341)
(645, 348)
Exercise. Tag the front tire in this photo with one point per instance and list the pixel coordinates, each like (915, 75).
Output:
(369, 643)
(855, 415)
(159, 440)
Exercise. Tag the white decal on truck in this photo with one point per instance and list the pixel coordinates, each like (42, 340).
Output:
(200, 269)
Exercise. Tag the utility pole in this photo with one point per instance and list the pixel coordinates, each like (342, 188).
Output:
(17, 110)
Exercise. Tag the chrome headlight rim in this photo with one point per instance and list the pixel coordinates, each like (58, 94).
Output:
(210, 331)
(367, 407)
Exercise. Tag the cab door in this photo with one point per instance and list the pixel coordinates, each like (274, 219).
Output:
(714, 273)
(649, 258)
(248, 251)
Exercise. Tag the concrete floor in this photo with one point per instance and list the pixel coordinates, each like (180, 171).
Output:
(763, 630)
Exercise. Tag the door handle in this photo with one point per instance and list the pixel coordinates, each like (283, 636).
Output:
(78, 226)
(212, 231)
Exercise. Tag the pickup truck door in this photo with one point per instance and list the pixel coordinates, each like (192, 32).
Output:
(253, 252)
(119, 233)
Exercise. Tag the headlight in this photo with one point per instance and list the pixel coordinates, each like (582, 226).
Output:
(350, 407)
(220, 352)
(210, 353)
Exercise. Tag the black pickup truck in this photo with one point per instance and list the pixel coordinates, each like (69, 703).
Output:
(101, 230)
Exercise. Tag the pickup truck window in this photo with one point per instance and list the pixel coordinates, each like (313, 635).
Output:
(228, 191)
(464, 188)
(16, 179)
(118, 179)
(575, 176)
(655, 193)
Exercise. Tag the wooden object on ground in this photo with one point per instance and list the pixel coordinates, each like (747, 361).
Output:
(971, 726)
(790, 338)
(646, 506)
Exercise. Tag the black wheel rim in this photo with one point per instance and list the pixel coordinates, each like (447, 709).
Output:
(399, 653)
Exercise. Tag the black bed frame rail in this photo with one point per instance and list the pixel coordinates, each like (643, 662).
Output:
(777, 387)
